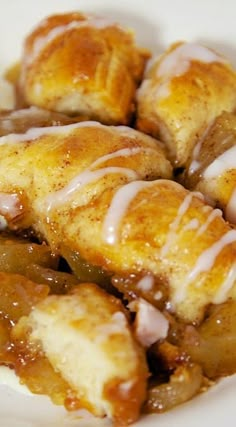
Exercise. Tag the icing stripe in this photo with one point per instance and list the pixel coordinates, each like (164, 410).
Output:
(173, 227)
(118, 207)
(215, 213)
(85, 178)
(42, 41)
(226, 286)
(88, 176)
(224, 162)
(204, 263)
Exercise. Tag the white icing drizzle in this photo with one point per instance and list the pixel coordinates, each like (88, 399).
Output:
(205, 262)
(178, 61)
(42, 41)
(195, 164)
(230, 210)
(35, 133)
(118, 207)
(146, 283)
(215, 213)
(124, 152)
(150, 324)
(224, 162)
(173, 227)
(9, 204)
(88, 176)
(85, 178)
(222, 294)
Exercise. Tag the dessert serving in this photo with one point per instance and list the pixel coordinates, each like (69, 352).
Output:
(117, 205)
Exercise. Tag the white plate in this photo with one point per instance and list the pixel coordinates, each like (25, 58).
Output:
(157, 23)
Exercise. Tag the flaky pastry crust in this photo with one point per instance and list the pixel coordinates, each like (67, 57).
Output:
(183, 91)
(75, 63)
(99, 203)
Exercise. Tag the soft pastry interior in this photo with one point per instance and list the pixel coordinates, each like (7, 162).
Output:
(183, 91)
(117, 253)
(102, 363)
(82, 64)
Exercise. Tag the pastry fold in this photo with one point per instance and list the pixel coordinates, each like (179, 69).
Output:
(183, 91)
(82, 64)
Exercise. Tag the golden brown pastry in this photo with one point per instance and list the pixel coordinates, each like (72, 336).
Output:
(212, 167)
(150, 228)
(183, 91)
(97, 202)
(97, 355)
(84, 155)
(96, 364)
(95, 195)
(82, 64)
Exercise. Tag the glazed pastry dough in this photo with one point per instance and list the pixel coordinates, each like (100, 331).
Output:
(182, 93)
(85, 155)
(97, 203)
(212, 167)
(75, 63)
(96, 354)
